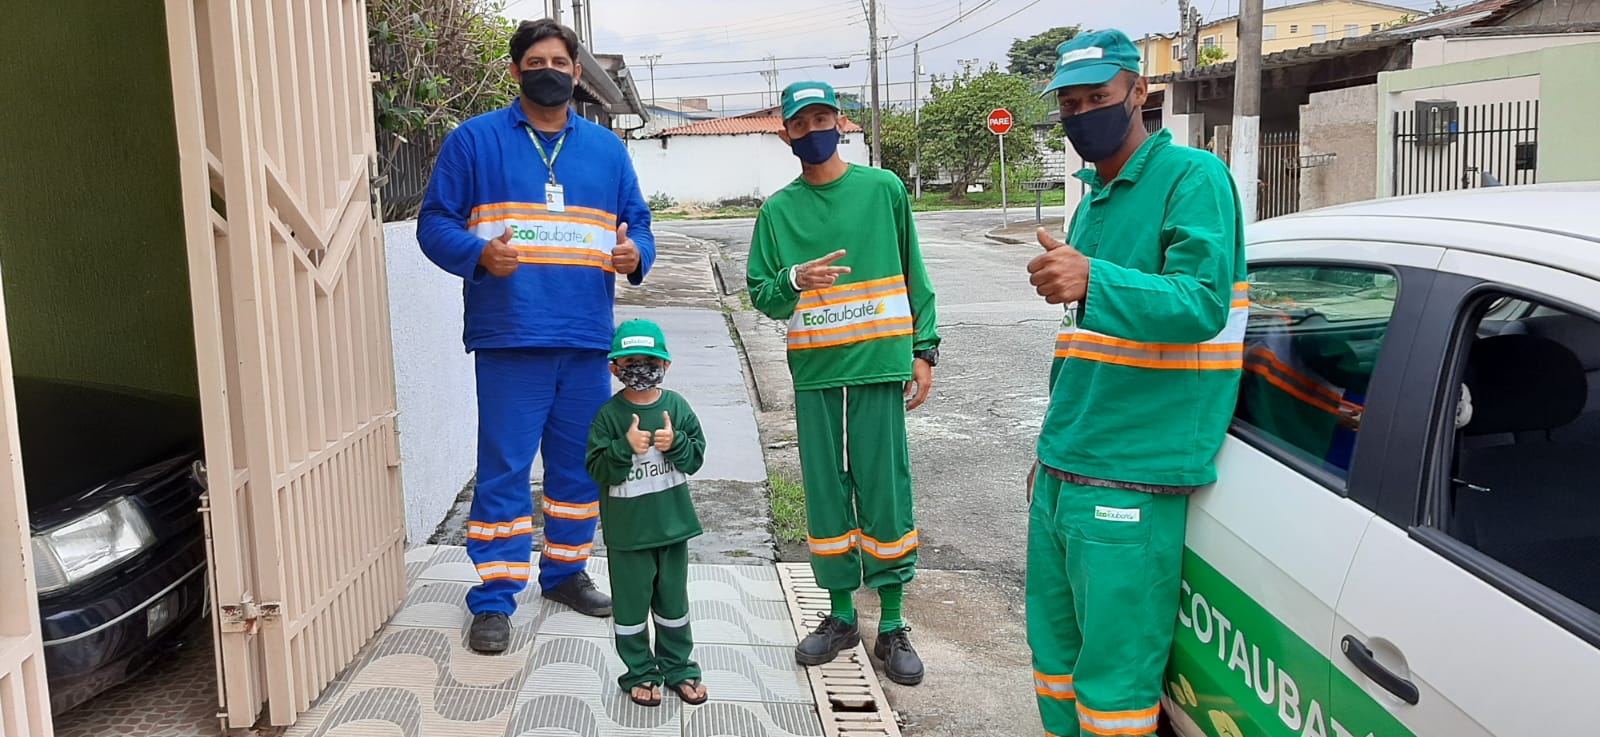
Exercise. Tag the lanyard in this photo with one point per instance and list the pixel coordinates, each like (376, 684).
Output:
(549, 159)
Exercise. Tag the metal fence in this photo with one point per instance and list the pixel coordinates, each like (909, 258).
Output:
(1439, 149)
(406, 163)
(1280, 174)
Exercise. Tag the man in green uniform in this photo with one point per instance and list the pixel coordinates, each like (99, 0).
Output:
(862, 346)
(643, 446)
(1141, 399)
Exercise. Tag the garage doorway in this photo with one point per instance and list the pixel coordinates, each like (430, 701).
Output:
(203, 219)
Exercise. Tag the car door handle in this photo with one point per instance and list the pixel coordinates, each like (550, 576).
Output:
(1358, 653)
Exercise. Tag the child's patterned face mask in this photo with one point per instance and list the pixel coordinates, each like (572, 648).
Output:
(642, 375)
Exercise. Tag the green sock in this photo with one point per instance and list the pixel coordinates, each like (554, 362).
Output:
(893, 597)
(844, 606)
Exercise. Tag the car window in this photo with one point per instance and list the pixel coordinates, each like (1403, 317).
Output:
(1525, 448)
(1310, 349)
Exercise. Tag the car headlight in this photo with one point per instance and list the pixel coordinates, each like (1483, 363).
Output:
(89, 545)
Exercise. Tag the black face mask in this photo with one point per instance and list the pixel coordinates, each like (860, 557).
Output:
(547, 87)
(1097, 135)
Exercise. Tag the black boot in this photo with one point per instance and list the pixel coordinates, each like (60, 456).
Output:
(490, 633)
(900, 661)
(579, 592)
(825, 642)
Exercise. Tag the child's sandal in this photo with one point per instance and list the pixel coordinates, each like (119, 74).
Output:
(655, 694)
(690, 692)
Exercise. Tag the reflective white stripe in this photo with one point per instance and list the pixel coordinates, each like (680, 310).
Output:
(504, 529)
(579, 511)
(834, 545)
(627, 630)
(560, 553)
(845, 418)
(682, 621)
(1109, 724)
(892, 550)
(553, 231)
(652, 474)
(1056, 690)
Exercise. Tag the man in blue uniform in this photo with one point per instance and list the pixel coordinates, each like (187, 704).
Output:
(537, 210)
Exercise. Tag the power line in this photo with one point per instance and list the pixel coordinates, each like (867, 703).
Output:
(766, 21)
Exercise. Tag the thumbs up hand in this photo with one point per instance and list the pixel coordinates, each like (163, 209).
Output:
(625, 257)
(639, 439)
(665, 435)
(1061, 273)
(499, 257)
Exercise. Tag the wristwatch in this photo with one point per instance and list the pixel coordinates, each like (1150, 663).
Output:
(930, 355)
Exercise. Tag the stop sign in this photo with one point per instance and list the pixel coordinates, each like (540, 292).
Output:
(1000, 122)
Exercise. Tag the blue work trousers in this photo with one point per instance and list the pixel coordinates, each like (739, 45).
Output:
(528, 398)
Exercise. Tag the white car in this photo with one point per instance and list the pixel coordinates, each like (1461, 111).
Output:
(1405, 537)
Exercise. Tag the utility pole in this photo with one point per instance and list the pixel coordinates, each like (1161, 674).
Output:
(1245, 159)
(888, 87)
(578, 25)
(651, 59)
(771, 75)
(877, 110)
(916, 106)
(1186, 63)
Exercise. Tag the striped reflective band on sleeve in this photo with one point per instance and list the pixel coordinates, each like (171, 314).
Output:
(890, 551)
(1119, 723)
(567, 553)
(1318, 393)
(852, 313)
(500, 530)
(1053, 687)
(575, 237)
(571, 511)
(673, 622)
(1225, 352)
(834, 545)
(511, 570)
(1069, 328)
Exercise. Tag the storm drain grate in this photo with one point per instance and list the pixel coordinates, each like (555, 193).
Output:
(849, 698)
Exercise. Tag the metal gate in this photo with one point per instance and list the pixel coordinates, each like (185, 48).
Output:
(304, 508)
(24, 703)
(1440, 148)
(1280, 174)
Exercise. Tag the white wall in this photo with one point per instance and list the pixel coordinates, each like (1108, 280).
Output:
(434, 382)
(709, 169)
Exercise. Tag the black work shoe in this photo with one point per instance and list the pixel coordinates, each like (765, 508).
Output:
(900, 661)
(490, 633)
(825, 642)
(579, 592)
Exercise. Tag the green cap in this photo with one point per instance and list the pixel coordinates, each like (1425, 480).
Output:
(639, 338)
(1094, 58)
(801, 95)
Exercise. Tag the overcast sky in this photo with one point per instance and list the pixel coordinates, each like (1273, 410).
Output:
(714, 48)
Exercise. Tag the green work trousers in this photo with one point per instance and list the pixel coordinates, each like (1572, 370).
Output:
(857, 468)
(1104, 573)
(645, 583)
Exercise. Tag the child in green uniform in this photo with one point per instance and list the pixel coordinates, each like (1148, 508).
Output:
(643, 445)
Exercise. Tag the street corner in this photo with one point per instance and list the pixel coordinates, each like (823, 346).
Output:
(1024, 233)
(682, 276)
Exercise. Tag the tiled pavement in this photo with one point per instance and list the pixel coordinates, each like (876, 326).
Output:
(417, 678)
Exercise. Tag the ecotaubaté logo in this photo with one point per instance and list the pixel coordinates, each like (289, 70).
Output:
(648, 469)
(851, 314)
(551, 234)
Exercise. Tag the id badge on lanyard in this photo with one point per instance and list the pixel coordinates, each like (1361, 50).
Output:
(555, 195)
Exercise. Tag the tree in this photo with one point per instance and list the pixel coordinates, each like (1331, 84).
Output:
(1210, 55)
(438, 63)
(1035, 56)
(899, 142)
(954, 136)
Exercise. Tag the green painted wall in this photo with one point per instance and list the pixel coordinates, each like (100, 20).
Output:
(91, 230)
(1569, 107)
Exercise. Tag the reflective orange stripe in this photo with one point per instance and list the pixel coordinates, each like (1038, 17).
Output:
(483, 211)
(571, 511)
(543, 214)
(567, 552)
(500, 530)
(1263, 363)
(819, 297)
(889, 329)
(1054, 687)
(512, 570)
(828, 546)
(891, 551)
(1119, 723)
